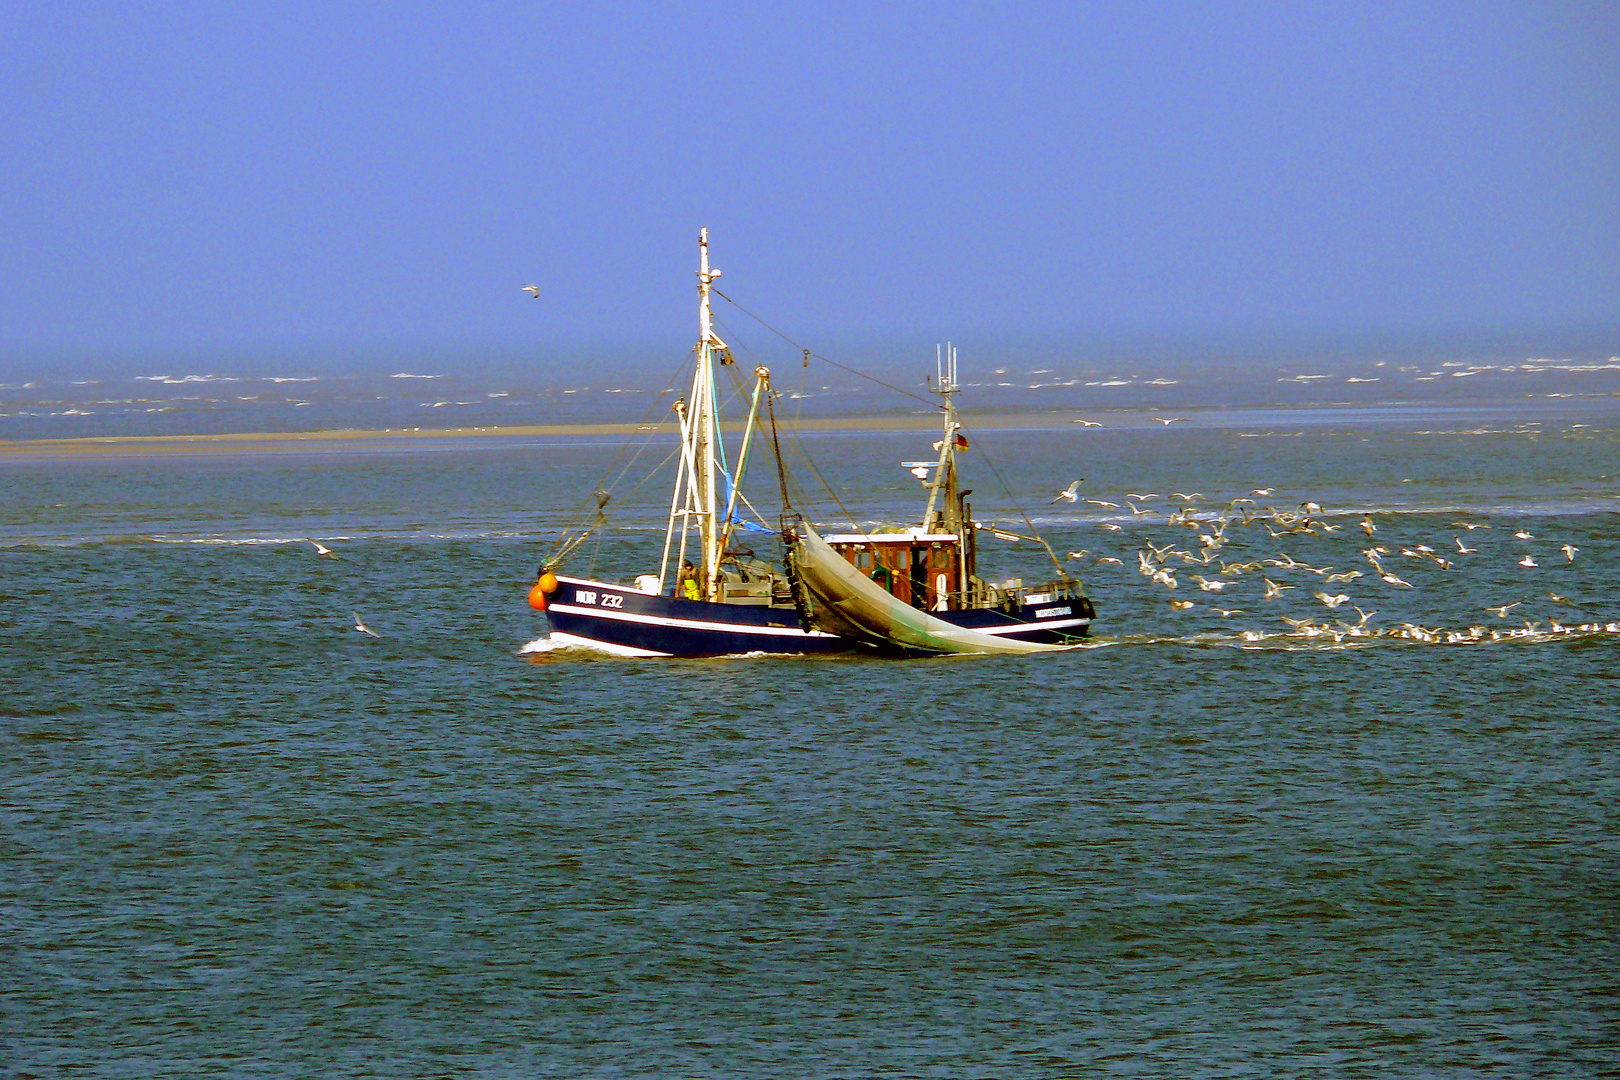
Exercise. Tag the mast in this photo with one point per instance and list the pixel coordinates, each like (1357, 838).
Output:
(704, 430)
(945, 472)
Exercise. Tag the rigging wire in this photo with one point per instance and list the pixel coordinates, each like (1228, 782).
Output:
(567, 542)
(1006, 490)
(818, 356)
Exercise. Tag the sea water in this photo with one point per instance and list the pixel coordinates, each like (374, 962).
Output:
(1244, 837)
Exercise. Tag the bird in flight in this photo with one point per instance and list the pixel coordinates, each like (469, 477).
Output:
(1569, 551)
(1104, 503)
(1086, 423)
(1070, 493)
(1171, 420)
(362, 627)
(1332, 601)
(532, 290)
(1274, 590)
(1463, 549)
(322, 549)
(1529, 560)
(1367, 525)
(1523, 534)
(1501, 612)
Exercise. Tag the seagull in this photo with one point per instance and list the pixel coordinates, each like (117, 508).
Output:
(1171, 420)
(1523, 534)
(1501, 612)
(1365, 615)
(1227, 613)
(322, 549)
(1274, 590)
(1469, 525)
(1569, 551)
(1367, 525)
(532, 290)
(1110, 526)
(1461, 549)
(1086, 423)
(1140, 498)
(1332, 601)
(1070, 493)
(1529, 560)
(362, 627)
(1262, 492)
(1181, 605)
(1555, 598)
(1393, 580)
(1104, 503)
(1078, 555)
(1109, 559)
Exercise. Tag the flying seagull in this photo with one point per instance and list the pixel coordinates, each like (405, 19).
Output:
(362, 627)
(1086, 423)
(322, 549)
(1070, 493)
(532, 290)
(1171, 420)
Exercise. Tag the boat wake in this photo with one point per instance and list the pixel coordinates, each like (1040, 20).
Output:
(1321, 637)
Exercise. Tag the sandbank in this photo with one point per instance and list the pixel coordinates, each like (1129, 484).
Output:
(282, 442)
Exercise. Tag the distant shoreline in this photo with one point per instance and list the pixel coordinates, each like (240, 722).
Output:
(1225, 415)
(130, 446)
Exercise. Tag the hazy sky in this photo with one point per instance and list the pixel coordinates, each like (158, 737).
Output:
(247, 183)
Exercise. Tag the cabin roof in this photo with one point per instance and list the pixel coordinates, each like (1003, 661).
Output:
(907, 536)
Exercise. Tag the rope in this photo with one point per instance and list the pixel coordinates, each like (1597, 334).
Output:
(818, 356)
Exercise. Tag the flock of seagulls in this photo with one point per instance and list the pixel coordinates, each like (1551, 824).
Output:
(1224, 552)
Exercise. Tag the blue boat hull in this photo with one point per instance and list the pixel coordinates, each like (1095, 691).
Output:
(625, 621)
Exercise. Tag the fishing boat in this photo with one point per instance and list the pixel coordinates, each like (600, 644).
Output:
(910, 591)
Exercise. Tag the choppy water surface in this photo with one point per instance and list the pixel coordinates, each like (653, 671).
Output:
(243, 839)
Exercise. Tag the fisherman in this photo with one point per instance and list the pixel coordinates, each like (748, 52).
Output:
(689, 582)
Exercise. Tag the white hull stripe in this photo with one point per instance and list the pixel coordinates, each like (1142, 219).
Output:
(1024, 628)
(687, 624)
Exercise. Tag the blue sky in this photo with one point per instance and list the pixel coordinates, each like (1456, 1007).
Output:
(273, 186)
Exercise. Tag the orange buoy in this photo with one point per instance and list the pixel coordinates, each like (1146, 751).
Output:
(539, 595)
